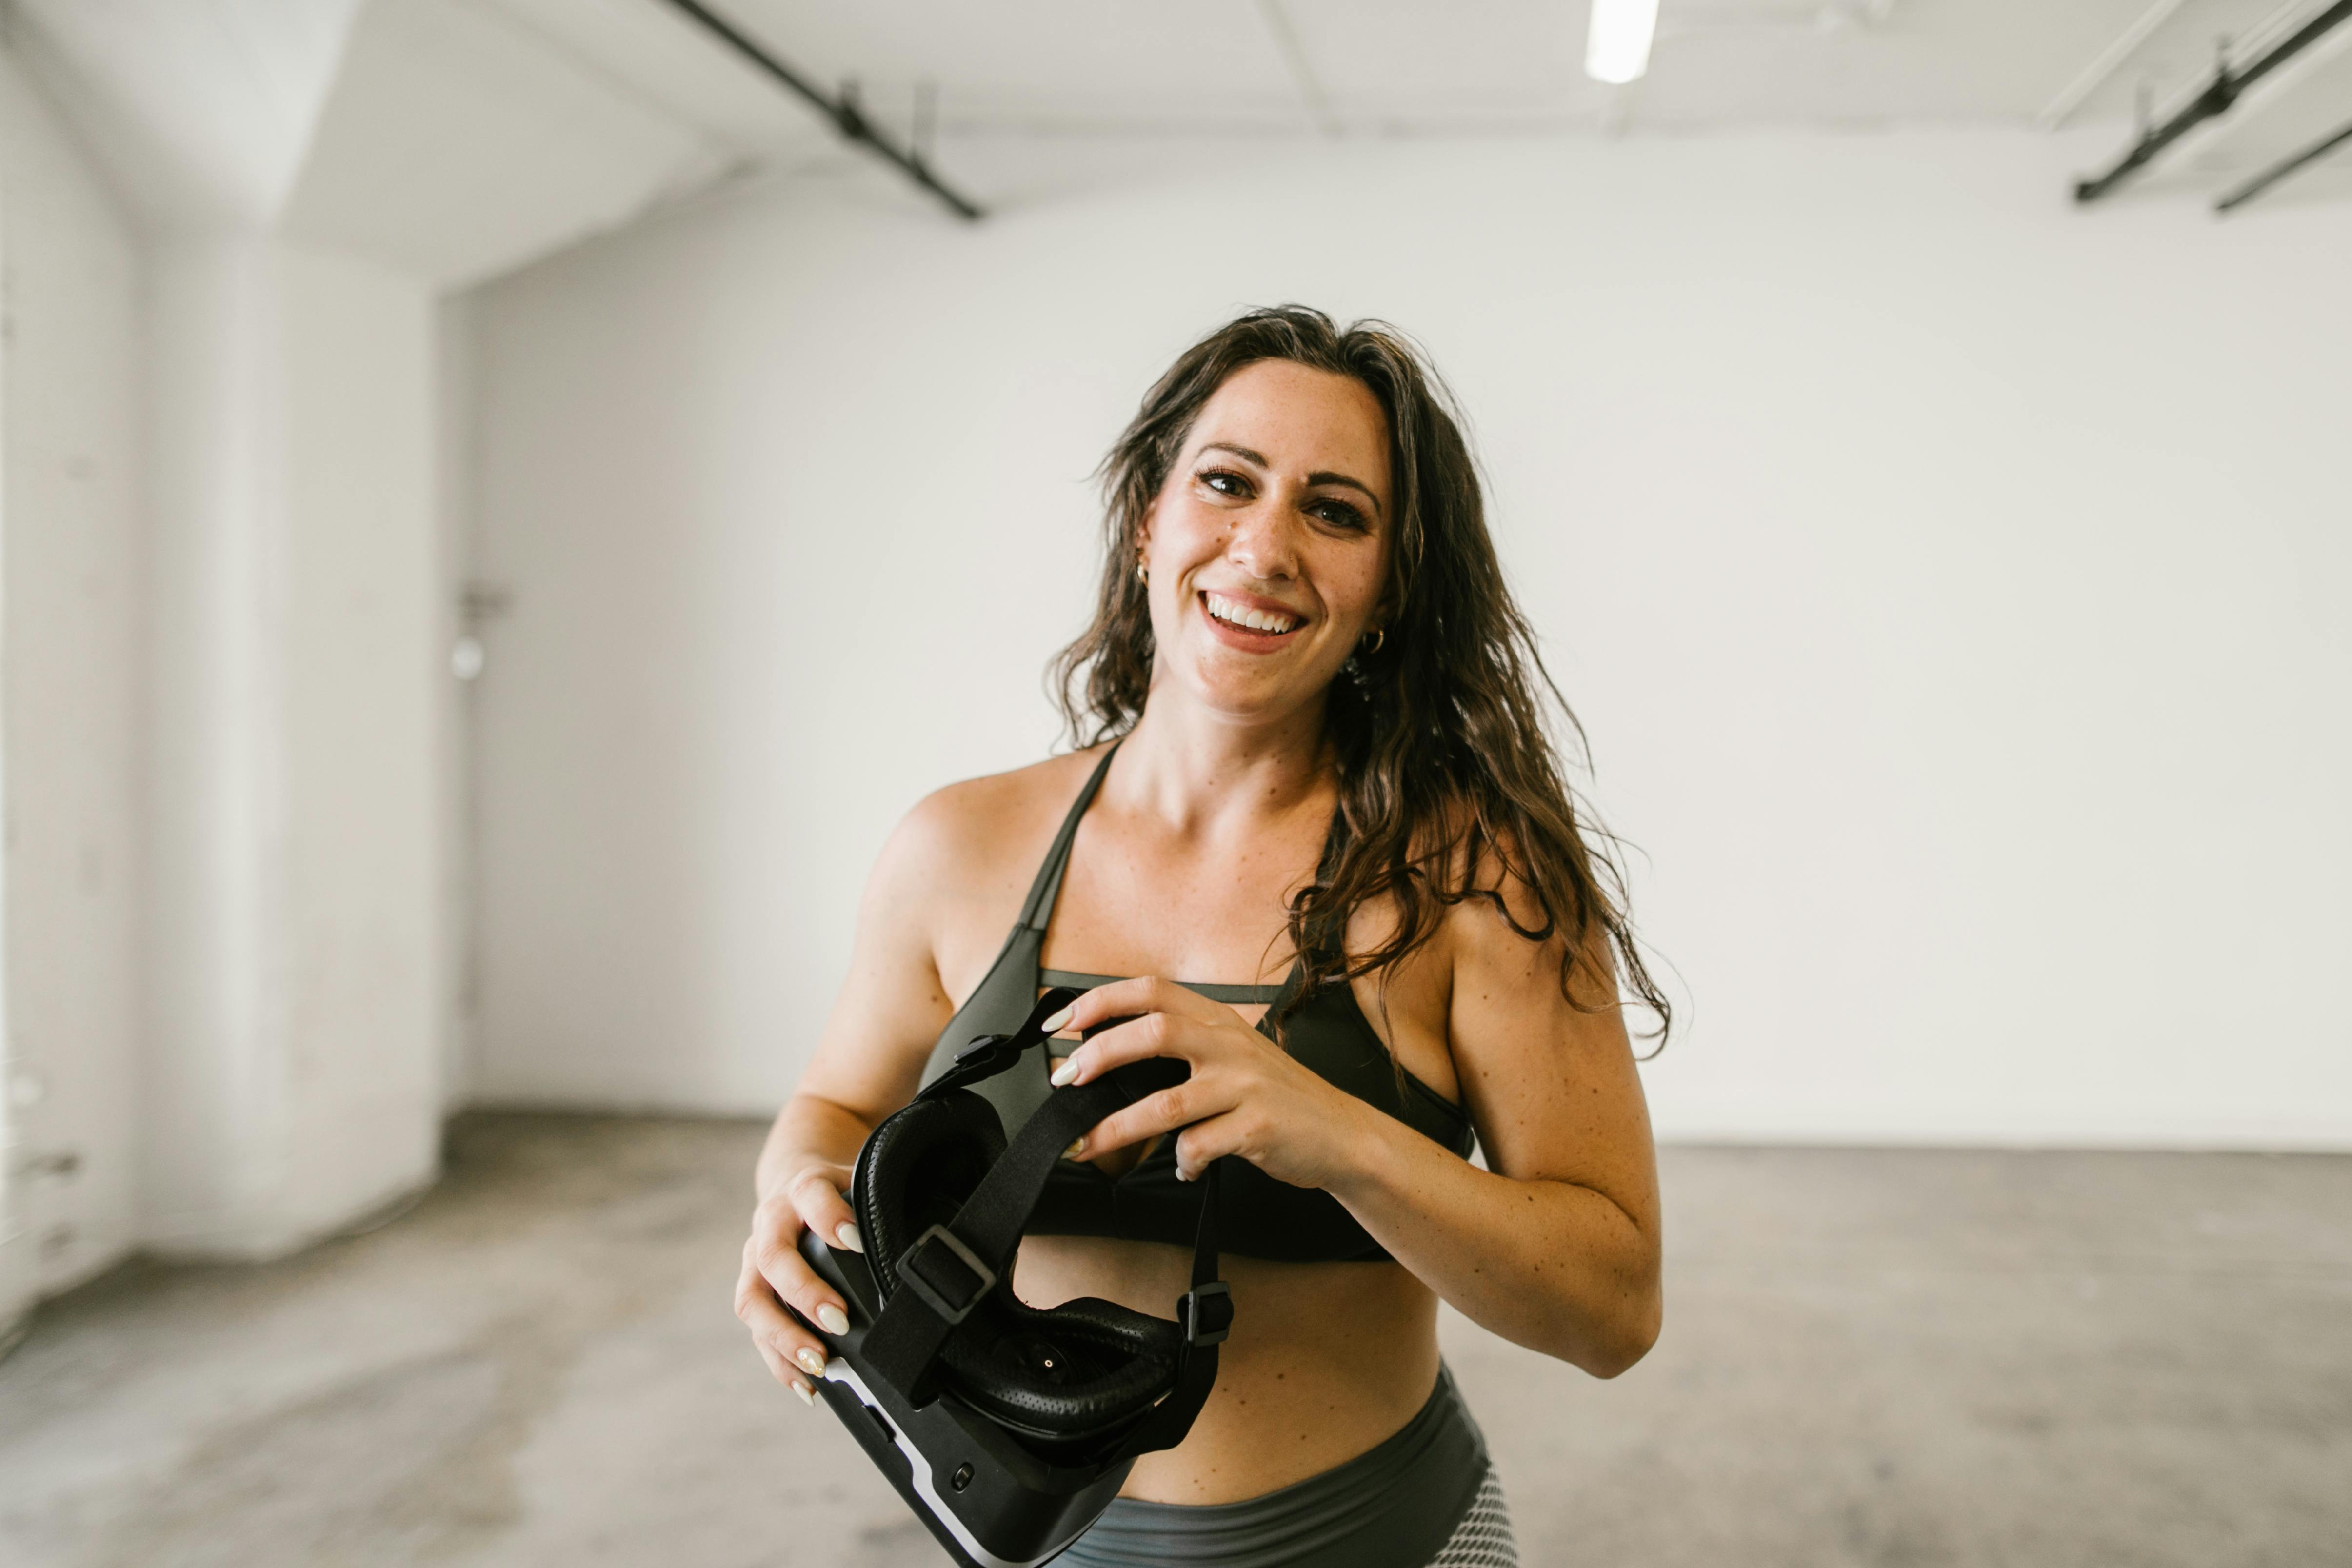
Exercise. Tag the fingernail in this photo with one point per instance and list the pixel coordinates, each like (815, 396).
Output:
(807, 1395)
(845, 1233)
(1053, 1025)
(812, 1362)
(1063, 1073)
(1077, 1146)
(834, 1321)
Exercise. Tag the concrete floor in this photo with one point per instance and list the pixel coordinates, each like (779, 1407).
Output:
(1870, 1357)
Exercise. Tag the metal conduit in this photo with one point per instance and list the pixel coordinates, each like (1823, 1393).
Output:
(847, 117)
(2280, 170)
(2215, 100)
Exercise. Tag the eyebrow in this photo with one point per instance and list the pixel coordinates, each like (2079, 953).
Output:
(1321, 476)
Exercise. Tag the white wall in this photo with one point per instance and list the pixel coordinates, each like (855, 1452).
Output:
(293, 1041)
(363, 674)
(249, 1010)
(1955, 585)
(236, 900)
(232, 751)
(72, 659)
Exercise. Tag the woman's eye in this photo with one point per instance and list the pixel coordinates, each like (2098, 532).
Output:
(1225, 482)
(1339, 514)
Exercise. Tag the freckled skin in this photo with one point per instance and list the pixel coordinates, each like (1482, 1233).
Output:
(1212, 815)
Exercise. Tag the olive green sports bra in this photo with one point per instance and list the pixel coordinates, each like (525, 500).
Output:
(1257, 1216)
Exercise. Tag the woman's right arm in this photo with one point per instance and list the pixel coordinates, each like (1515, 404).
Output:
(867, 1063)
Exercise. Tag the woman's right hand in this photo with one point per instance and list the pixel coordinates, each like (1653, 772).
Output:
(774, 1274)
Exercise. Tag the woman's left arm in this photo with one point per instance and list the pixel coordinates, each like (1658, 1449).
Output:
(1555, 1246)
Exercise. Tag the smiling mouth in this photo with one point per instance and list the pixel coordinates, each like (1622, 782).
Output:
(1266, 622)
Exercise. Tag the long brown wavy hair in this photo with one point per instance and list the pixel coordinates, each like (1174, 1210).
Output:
(1450, 780)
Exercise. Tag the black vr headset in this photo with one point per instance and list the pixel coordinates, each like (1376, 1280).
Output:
(1007, 1429)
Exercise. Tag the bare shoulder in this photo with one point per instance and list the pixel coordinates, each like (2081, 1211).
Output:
(976, 844)
(975, 820)
(948, 882)
(1504, 935)
(1540, 1047)
(1490, 973)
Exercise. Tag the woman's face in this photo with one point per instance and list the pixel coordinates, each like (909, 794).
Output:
(1268, 544)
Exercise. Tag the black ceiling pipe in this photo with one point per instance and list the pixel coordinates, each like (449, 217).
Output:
(843, 112)
(2280, 170)
(2214, 101)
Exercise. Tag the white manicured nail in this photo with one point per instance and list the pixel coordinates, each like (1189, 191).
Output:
(1054, 1025)
(846, 1236)
(1067, 1071)
(812, 1361)
(807, 1395)
(1077, 1146)
(833, 1320)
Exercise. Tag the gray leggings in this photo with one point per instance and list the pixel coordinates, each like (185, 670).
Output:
(1427, 1497)
(1483, 1537)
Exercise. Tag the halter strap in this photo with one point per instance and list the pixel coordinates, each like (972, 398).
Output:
(1038, 912)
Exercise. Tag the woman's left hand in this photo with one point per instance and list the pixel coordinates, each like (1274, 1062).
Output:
(1246, 1095)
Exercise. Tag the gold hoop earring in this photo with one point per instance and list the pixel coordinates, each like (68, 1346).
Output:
(1142, 573)
(1380, 635)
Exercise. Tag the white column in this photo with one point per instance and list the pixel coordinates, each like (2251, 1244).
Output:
(293, 1052)
(213, 1127)
(16, 1243)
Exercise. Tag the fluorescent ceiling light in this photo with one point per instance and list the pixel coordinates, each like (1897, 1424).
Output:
(1619, 49)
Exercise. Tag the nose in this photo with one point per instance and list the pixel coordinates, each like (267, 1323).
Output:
(1263, 542)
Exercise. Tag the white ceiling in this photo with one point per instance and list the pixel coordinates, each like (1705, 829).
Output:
(456, 144)
(1434, 66)
(198, 110)
(466, 136)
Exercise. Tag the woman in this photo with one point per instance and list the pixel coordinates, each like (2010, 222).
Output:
(1321, 790)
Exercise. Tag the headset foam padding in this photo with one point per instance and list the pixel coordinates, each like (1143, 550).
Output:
(917, 1169)
(1072, 1371)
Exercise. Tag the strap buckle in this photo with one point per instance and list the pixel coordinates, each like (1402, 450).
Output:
(986, 1056)
(988, 1051)
(961, 1273)
(1206, 1312)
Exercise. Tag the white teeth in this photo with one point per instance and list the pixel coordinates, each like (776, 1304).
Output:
(1224, 609)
